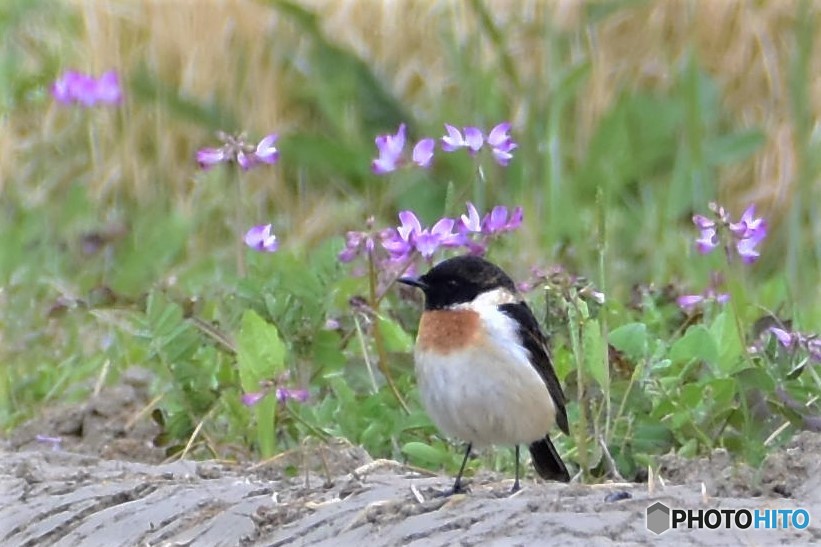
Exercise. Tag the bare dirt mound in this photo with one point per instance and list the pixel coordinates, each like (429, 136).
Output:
(61, 498)
(105, 486)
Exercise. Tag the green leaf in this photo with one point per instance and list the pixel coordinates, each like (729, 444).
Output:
(158, 234)
(260, 351)
(631, 339)
(594, 355)
(690, 397)
(721, 391)
(374, 433)
(171, 337)
(697, 343)
(260, 356)
(725, 332)
(689, 449)
(293, 273)
(424, 453)
(395, 337)
(341, 389)
(325, 350)
(652, 437)
(450, 197)
(755, 378)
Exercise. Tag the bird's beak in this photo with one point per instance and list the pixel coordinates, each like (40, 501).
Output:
(413, 282)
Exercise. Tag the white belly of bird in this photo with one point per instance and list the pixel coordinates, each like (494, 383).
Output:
(490, 395)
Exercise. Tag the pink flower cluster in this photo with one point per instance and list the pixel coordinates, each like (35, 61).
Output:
(391, 155)
(793, 340)
(235, 148)
(411, 238)
(73, 87)
(744, 236)
(283, 394)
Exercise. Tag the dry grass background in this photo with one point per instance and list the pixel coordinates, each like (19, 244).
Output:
(195, 47)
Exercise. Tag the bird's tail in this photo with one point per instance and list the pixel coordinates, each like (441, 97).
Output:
(547, 462)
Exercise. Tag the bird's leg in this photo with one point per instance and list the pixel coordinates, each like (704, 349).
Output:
(457, 486)
(516, 485)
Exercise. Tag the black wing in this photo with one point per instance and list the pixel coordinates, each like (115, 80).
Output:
(535, 343)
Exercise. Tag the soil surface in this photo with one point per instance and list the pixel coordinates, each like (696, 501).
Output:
(105, 485)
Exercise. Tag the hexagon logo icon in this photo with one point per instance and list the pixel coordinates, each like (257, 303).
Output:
(658, 518)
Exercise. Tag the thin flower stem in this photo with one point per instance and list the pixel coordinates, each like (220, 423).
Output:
(361, 337)
(382, 355)
(238, 243)
(602, 252)
(734, 277)
(314, 429)
(577, 344)
(396, 277)
(196, 432)
(480, 189)
(92, 148)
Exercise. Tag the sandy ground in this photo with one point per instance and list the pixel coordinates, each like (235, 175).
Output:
(116, 494)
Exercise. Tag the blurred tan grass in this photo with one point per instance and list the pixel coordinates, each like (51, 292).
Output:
(196, 48)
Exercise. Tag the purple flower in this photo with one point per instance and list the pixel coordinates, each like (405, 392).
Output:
(441, 234)
(74, 87)
(746, 249)
(390, 149)
(358, 242)
(237, 149)
(784, 338)
(499, 140)
(497, 220)
(749, 226)
(63, 87)
(266, 152)
(391, 152)
(410, 235)
(298, 395)
(245, 160)
(282, 394)
(399, 242)
(454, 140)
(108, 88)
(792, 340)
(353, 242)
(476, 232)
(745, 235)
(209, 157)
(688, 302)
(501, 143)
(703, 223)
(749, 232)
(252, 398)
(707, 240)
(423, 152)
(262, 238)
(470, 222)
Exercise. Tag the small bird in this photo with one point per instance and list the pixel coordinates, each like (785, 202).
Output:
(483, 366)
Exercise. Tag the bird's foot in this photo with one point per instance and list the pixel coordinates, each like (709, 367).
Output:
(458, 488)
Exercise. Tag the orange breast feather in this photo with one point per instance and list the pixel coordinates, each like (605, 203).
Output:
(444, 331)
